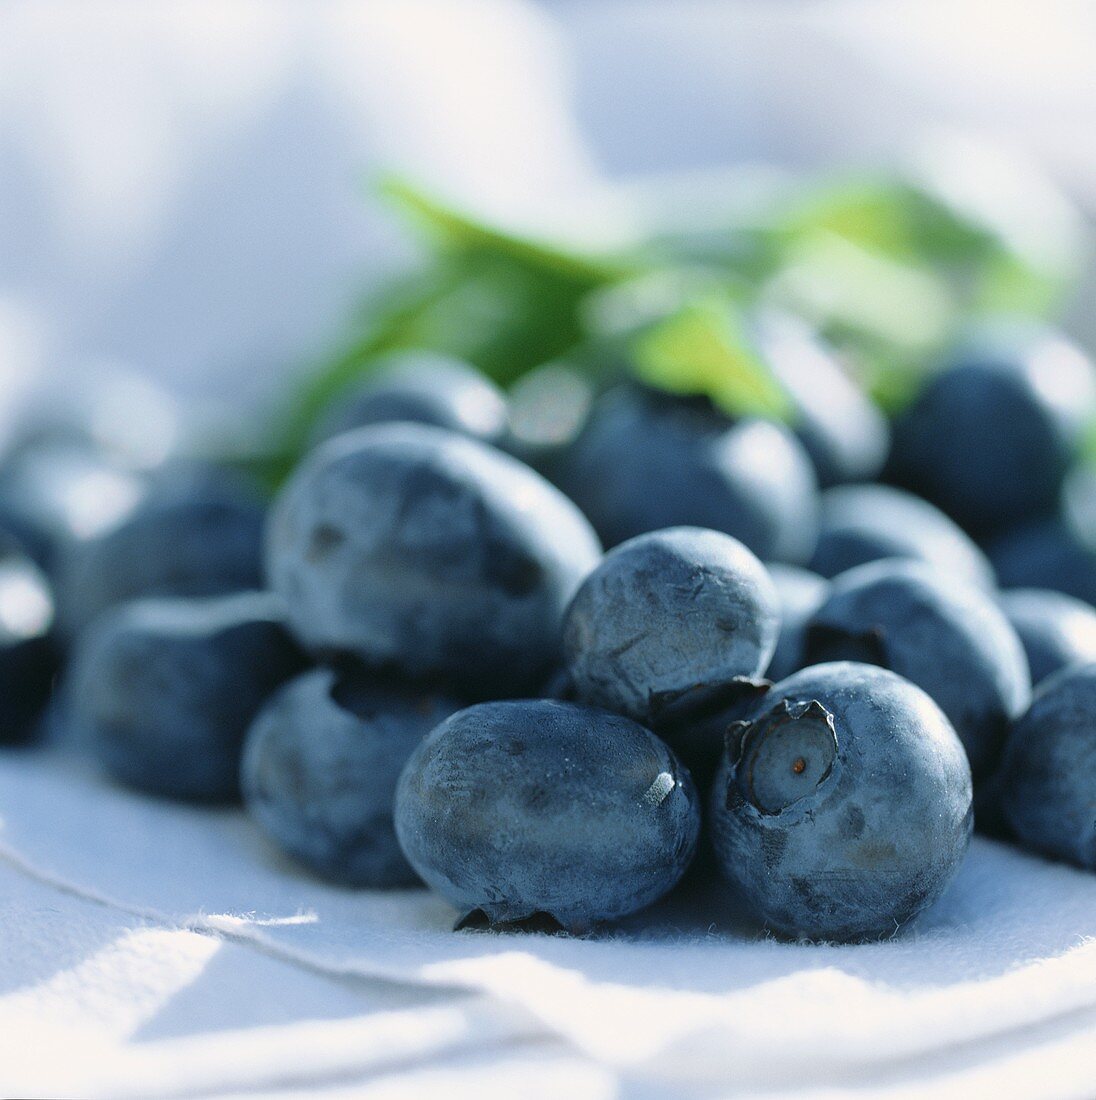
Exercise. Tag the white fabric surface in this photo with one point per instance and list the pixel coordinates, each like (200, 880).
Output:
(156, 949)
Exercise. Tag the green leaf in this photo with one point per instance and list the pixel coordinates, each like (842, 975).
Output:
(917, 222)
(452, 229)
(704, 348)
(1088, 444)
(623, 308)
(843, 287)
(503, 302)
(507, 303)
(1008, 285)
(874, 213)
(888, 267)
(890, 380)
(393, 320)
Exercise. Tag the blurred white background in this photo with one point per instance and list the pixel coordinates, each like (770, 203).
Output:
(183, 186)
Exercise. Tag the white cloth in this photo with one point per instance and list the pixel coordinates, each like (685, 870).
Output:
(157, 949)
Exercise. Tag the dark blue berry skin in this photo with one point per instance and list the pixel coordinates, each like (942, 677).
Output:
(648, 460)
(1056, 630)
(29, 654)
(413, 548)
(844, 433)
(1045, 554)
(990, 439)
(800, 593)
(163, 690)
(320, 767)
(1048, 778)
(667, 613)
(948, 638)
(19, 529)
(557, 686)
(695, 725)
(842, 805)
(116, 415)
(425, 388)
(547, 409)
(195, 532)
(528, 810)
(863, 523)
(54, 493)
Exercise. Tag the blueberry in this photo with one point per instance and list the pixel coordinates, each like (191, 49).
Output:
(800, 594)
(547, 408)
(53, 493)
(423, 387)
(539, 810)
(846, 436)
(28, 650)
(197, 532)
(1046, 554)
(990, 438)
(411, 547)
(163, 690)
(695, 725)
(320, 767)
(842, 806)
(558, 686)
(20, 531)
(1056, 630)
(665, 614)
(863, 523)
(1048, 778)
(647, 460)
(103, 409)
(948, 638)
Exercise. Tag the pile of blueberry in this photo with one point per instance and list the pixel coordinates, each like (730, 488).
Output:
(545, 678)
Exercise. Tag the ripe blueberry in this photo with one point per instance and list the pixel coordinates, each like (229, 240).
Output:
(413, 548)
(165, 689)
(535, 810)
(320, 767)
(842, 805)
(667, 613)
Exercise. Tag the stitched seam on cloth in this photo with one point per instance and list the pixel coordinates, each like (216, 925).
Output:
(922, 1071)
(523, 1030)
(519, 1045)
(688, 1046)
(221, 927)
(204, 925)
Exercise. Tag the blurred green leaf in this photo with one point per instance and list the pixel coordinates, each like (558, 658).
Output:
(457, 231)
(891, 270)
(889, 378)
(621, 309)
(889, 267)
(900, 218)
(1008, 285)
(704, 348)
(872, 213)
(391, 321)
(503, 302)
(848, 290)
(1088, 444)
